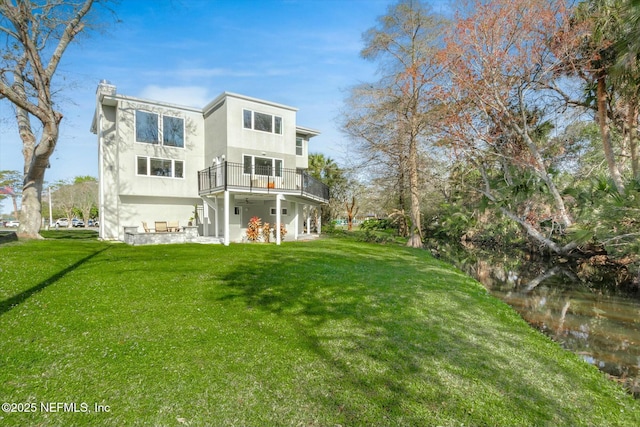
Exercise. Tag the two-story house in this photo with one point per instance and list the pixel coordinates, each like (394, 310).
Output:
(218, 166)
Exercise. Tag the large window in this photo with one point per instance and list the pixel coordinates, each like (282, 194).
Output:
(173, 131)
(261, 121)
(149, 127)
(264, 166)
(146, 127)
(151, 166)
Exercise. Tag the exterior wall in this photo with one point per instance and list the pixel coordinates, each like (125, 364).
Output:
(108, 170)
(130, 183)
(243, 141)
(135, 209)
(215, 132)
(130, 198)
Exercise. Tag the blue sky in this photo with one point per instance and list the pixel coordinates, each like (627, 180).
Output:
(302, 53)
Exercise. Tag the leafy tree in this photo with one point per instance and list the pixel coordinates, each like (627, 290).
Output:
(389, 119)
(326, 170)
(35, 35)
(597, 26)
(497, 99)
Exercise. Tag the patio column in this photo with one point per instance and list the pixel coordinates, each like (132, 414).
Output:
(308, 219)
(205, 219)
(278, 219)
(217, 215)
(319, 220)
(226, 218)
(296, 207)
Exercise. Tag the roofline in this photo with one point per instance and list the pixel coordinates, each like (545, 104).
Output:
(307, 131)
(225, 95)
(104, 98)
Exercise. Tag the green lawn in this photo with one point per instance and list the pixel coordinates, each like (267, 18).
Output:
(330, 332)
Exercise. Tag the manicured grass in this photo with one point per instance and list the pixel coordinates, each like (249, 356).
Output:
(330, 332)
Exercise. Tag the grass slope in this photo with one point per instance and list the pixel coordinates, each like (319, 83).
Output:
(316, 333)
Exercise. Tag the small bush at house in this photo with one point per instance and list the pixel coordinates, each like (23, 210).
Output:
(253, 229)
(266, 232)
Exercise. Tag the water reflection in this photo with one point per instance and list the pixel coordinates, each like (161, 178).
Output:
(600, 324)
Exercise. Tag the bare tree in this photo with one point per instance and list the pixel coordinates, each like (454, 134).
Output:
(65, 198)
(86, 196)
(390, 118)
(502, 68)
(36, 35)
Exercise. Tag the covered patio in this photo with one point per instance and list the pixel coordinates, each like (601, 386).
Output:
(232, 193)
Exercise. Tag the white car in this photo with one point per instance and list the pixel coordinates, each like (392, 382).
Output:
(10, 224)
(62, 222)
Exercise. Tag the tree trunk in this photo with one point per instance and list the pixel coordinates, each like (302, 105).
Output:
(415, 234)
(36, 160)
(606, 134)
(14, 199)
(632, 121)
(351, 212)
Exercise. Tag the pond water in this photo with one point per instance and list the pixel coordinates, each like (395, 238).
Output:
(599, 324)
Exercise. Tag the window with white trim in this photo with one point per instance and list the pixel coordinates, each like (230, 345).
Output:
(153, 128)
(299, 147)
(264, 166)
(153, 166)
(261, 121)
(284, 211)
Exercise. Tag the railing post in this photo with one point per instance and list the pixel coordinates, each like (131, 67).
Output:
(226, 180)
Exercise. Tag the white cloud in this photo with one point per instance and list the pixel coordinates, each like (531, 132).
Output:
(192, 96)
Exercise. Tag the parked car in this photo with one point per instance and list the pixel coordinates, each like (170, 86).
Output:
(93, 223)
(10, 224)
(62, 222)
(77, 222)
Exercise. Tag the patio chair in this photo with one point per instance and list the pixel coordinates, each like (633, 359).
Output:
(145, 226)
(161, 227)
(173, 226)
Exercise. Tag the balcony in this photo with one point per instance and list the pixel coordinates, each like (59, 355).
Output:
(229, 176)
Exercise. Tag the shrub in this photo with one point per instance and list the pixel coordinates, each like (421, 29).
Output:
(377, 224)
(253, 229)
(266, 232)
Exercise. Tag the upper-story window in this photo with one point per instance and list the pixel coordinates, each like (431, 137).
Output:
(262, 121)
(299, 147)
(149, 128)
(173, 131)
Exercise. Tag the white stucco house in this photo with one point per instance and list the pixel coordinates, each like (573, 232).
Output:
(236, 158)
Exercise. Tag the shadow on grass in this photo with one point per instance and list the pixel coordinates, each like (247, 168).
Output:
(14, 301)
(8, 236)
(406, 335)
(70, 234)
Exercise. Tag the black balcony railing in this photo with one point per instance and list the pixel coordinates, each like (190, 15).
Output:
(261, 179)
